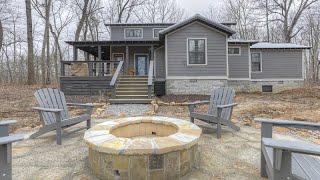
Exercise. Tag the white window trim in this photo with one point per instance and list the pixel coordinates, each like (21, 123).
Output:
(206, 52)
(260, 62)
(235, 54)
(153, 32)
(125, 34)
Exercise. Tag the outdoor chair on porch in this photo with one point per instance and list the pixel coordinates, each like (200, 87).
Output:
(220, 109)
(54, 114)
(284, 159)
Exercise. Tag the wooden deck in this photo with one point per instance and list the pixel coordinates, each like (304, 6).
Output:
(73, 85)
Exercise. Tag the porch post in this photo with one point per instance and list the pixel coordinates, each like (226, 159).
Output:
(152, 58)
(152, 53)
(75, 53)
(99, 65)
(99, 53)
(126, 69)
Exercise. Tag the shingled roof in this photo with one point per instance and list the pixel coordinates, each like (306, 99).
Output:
(199, 18)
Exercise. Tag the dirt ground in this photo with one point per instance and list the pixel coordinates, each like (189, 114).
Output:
(299, 104)
(220, 159)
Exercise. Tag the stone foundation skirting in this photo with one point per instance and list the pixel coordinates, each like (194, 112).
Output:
(205, 87)
(183, 86)
(256, 86)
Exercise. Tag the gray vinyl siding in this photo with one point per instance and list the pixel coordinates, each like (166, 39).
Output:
(177, 52)
(117, 33)
(160, 63)
(239, 65)
(279, 64)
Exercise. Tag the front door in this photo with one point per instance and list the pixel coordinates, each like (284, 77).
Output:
(141, 64)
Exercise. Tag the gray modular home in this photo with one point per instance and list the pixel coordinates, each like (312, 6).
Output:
(190, 57)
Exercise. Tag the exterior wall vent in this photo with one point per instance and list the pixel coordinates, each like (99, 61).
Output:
(267, 88)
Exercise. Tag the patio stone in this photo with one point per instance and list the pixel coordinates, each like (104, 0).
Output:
(139, 166)
(120, 162)
(157, 175)
(172, 165)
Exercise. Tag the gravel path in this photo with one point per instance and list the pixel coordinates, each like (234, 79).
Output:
(128, 109)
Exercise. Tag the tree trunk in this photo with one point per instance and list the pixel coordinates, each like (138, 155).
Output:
(30, 75)
(82, 19)
(1, 34)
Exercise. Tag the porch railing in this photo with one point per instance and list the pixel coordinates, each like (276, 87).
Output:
(114, 79)
(150, 79)
(88, 68)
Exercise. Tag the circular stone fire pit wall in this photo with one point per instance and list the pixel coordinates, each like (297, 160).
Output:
(143, 148)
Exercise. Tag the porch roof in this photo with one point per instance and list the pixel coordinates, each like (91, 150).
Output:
(108, 43)
(92, 47)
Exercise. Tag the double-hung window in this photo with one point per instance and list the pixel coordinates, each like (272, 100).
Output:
(133, 33)
(197, 51)
(256, 63)
(234, 51)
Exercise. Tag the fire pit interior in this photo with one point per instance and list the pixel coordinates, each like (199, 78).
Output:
(144, 129)
(143, 148)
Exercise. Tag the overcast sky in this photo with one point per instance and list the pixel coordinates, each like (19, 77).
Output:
(196, 6)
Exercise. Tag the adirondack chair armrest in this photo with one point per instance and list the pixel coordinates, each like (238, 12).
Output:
(86, 105)
(11, 139)
(295, 147)
(227, 105)
(289, 123)
(47, 109)
(7, 122)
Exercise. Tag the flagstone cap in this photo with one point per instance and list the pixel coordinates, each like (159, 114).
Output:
(101, 139)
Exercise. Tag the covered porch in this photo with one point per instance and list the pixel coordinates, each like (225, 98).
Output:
(118, 67)
(101, 58)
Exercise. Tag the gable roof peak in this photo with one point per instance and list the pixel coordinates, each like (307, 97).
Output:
(201, 19)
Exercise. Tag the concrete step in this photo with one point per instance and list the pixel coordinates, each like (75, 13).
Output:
(131, 97)
(130, 101)
(131, 92)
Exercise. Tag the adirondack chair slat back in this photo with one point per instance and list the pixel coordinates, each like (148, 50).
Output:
(221, 96)
(51, 98)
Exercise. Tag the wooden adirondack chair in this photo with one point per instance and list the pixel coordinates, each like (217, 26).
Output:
(54, 113)
(6, 141)
(220, 109)
(283, 159)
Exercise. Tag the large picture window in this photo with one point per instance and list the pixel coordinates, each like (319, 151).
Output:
(197, 51)
(133, 33)
(256, 65)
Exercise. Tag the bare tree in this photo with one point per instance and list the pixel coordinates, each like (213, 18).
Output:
(159, 11)
(288, 13)
(121, 11)
(312, 36)
(30, 76)
(1, 34)
(83, 17)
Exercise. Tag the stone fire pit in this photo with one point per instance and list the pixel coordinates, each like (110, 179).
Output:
(143, 148)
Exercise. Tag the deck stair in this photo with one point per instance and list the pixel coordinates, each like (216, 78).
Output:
(132, 90)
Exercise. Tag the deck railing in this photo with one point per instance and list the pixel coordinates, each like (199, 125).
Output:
(114, 79)
(150, 79)
(88, 68)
